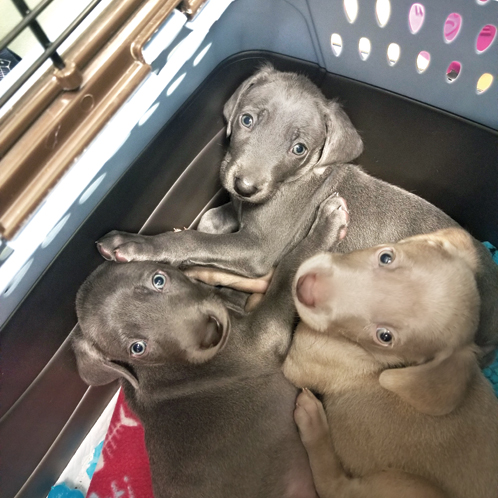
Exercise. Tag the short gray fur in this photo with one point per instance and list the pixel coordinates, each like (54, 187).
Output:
(287, 109)
(214, 403)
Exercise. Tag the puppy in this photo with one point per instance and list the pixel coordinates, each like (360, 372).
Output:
(387, 337)
(204, 379)
(289, 149)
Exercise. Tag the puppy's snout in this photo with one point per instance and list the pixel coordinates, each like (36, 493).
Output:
(305, 289)
(244, 187)
(314, 289)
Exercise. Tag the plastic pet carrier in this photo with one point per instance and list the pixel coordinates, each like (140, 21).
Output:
(418, 80)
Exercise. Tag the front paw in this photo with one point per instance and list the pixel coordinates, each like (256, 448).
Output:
(310, 418)
(334, 215)
(123, 247)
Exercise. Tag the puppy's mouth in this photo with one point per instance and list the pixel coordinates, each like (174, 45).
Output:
(259, 197)
(305, 289)
(126, 366)
(214, 333)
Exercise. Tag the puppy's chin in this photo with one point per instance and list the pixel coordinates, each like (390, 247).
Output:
(317, 320)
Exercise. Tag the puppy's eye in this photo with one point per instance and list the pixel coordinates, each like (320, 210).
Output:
(384, 336)
(246, 120)
(386, 257)
(299, 149)
(159, 281)
(138, 348)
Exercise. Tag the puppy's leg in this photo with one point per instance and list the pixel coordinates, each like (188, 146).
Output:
(238, 252)
(330, 479)
(276, 311)
(328, 474)
(222, 219)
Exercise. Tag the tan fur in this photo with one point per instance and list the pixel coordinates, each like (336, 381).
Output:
(416, 415)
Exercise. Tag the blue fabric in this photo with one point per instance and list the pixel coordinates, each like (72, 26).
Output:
(93, 464)
(491, 372)
(492, 250)
(62, 491)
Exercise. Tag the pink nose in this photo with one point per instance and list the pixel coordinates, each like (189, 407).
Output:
(304, 289)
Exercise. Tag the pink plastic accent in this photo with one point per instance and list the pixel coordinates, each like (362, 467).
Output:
(485, 37)
(452, 26)
(453, 71)
(423, 60)
(416, 17)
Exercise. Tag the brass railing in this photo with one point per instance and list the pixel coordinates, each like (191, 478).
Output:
(51, 124)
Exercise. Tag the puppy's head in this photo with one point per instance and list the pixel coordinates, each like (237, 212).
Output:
(141, 314)
(280, 127)
(412, 304)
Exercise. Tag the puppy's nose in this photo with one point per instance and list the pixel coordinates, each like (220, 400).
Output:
(305, 289)
(244, 188)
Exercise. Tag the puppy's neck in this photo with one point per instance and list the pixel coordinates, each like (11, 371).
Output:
(328, 364)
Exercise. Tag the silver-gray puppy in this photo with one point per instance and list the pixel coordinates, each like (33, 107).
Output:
(289, 149)
(205, 380)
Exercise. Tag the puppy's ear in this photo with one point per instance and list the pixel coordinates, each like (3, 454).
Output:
(457, 242)
(209, 341)
(343, 143)
(436, 387)
(94, 368)
(231, 105)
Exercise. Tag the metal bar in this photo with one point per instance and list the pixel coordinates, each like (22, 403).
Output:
(40, 157)
(23, 113)
(40, 35)
(22, 25)
(48, 52)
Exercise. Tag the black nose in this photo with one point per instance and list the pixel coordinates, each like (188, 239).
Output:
(244, 187)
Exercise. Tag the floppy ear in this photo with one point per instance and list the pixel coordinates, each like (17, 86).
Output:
(434, 388)
(209, 341)
(343, 143)
(458, 243)
(94, 368)
(230, 107)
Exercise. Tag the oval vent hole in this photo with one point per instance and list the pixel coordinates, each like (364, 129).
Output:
(453, 71)
(484, 82)
(485, 38)
(336, 44)
(423, 61)
(383, 12)
(416, 17)
(364, 46)
(393, 53)
(452, 27)
(351, 10)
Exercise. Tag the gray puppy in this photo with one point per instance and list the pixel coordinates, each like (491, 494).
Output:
(287, 153)
(205, 380)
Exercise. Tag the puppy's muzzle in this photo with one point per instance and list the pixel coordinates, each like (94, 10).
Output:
(244, 187)
(304, 289)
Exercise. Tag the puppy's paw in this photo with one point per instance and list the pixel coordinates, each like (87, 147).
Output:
(333, 215)
(123, 247)
(310, 418)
